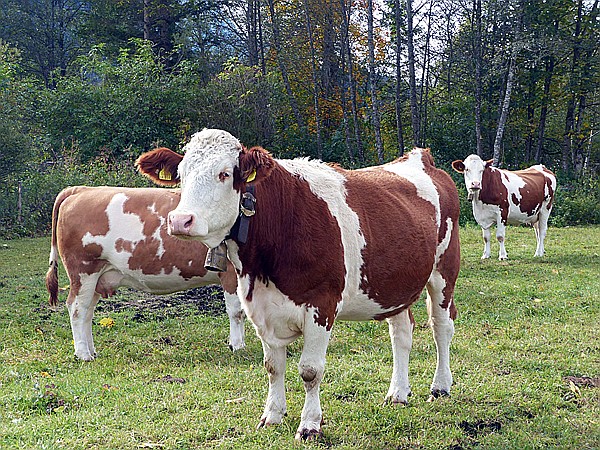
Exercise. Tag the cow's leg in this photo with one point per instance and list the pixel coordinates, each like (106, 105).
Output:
(442, 324)
(487, 236)
(312, 367)
(236, 321)
(401, 331)
(500, 234)
(81, 306)
(275, 407)
(540, 227)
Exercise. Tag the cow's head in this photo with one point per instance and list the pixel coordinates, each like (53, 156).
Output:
(213, 173)
(472, 168)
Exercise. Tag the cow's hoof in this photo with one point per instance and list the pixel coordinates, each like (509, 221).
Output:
(268, 420)
(85, 357)
(437, 393)
(397, 399)
(236, 347)
(308, 435)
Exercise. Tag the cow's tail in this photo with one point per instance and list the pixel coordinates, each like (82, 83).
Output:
(52, 274)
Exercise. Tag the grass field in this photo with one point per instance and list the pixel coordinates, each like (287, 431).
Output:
(527, 339)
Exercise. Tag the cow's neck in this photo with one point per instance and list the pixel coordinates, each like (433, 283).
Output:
(291, 237)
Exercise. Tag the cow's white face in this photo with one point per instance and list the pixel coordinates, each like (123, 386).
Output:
(472, 168)
(209, 203)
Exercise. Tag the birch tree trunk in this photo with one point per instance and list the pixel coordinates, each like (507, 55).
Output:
(374, 101)
(477, 56)
(424, 85)
(398, 94)
(505, 108)
(414, 104)
(352, 84)
(315, 80)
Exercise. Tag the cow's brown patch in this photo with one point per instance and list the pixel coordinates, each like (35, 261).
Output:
(186, 257)
(532, 194)
(295, 242)
(493, 191)
(397, 225)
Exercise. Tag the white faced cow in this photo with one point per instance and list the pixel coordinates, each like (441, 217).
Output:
(503, 197)
(110, 237)
(324, 244)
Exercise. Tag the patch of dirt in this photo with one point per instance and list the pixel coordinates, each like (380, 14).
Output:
(477, 427)
(584, 381)
(205, 300)
(169, 379)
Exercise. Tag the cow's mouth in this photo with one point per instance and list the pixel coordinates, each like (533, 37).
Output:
(472, 193)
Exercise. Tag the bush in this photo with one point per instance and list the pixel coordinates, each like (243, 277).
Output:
(40, 183)
(577, 202)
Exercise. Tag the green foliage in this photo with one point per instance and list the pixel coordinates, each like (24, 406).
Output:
(117, 108)
(15, 104)
(41, 181)
(577, 202)
(526, 338)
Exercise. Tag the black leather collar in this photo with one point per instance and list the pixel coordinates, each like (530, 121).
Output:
(239, 230)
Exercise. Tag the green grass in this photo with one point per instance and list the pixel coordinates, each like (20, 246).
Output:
(523, 326)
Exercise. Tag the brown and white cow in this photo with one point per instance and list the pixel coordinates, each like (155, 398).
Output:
(324, 244)
(504, 197)
(109, 237)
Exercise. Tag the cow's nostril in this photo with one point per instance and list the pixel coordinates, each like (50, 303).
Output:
(188, 223)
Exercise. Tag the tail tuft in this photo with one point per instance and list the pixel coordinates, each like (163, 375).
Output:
(52, 283)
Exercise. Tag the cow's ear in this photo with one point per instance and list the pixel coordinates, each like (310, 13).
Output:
(489, 163)
(256, 164)
(160, 165)
(458, 165)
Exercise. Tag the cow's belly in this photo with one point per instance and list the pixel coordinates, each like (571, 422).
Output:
(361, 307)
(161, 283)
(516, 217)
(485, 215)
(277, 319)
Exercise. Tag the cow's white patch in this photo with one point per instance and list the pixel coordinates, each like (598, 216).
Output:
(443, 246)
(156, 235)
(412, 169)
(277, 319)
(328, 185)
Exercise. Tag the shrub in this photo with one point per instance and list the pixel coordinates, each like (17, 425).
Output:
(40, 182)
(577, 202)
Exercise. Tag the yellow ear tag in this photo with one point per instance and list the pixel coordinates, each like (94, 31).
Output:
(164, 174)
(251, 177)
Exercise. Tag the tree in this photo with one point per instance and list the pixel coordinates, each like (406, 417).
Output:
(46, 33)
(375, 120)
(399, 81)
(412, 80)
(317, 111)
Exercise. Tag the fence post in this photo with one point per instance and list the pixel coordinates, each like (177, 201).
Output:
(19, 203)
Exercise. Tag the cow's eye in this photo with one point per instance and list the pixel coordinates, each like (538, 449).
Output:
(224, 176)
(466, 170)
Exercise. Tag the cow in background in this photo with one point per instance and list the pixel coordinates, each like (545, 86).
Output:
(109, 237)
(314, 243)
(504, 197)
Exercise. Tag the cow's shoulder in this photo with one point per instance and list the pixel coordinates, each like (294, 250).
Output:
(494, 186)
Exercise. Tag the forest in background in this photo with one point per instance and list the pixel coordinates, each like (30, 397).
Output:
(86, 86)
